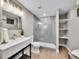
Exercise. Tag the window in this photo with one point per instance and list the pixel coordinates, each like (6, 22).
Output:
(10, 21)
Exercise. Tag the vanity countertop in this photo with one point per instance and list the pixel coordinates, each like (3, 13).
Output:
(14, 42)
(14, 46)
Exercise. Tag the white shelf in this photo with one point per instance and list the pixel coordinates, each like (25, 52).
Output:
(63, 45)
(63, 21)
(64, 37)
(63, 29)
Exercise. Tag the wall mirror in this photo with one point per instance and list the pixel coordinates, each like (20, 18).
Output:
(11, 21)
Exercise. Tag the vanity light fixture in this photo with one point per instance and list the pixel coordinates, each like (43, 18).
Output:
(12, 7)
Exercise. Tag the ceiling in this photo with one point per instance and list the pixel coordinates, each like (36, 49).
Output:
(43, 8)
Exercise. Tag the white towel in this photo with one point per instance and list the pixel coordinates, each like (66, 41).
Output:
(5, 34)
(1, 35)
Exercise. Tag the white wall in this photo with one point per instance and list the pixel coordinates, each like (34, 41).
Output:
(27, 19)
(77, 1)
(73, 32)
(27, 23)
(72, 14)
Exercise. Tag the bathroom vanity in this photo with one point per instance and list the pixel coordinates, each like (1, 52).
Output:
(11, 18)
(14, 47)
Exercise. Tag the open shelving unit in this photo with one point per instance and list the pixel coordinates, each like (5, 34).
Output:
(63, 30)
(63, 37)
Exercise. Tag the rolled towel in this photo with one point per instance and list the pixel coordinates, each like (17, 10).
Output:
(5, 35)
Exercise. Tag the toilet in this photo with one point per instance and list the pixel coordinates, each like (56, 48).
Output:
(35, 47)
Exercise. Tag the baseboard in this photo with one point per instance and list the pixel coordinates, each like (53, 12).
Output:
(66, 47)
(47, 45)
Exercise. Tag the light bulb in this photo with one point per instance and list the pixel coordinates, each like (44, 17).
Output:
(44, 14)
(17, 11)
(14, 10)
(45, 27)
(21, 12)
(2, 3)
(40, 23)
(10, 8)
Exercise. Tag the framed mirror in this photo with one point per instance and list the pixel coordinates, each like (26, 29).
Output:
(11, 21)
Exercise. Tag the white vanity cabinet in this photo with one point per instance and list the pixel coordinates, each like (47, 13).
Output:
(12, 47)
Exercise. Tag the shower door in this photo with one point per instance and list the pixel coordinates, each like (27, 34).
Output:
(44, 30)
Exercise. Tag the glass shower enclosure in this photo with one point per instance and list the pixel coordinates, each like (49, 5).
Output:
(44, 30)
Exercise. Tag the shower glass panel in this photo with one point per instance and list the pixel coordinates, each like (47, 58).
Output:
(44, 30)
